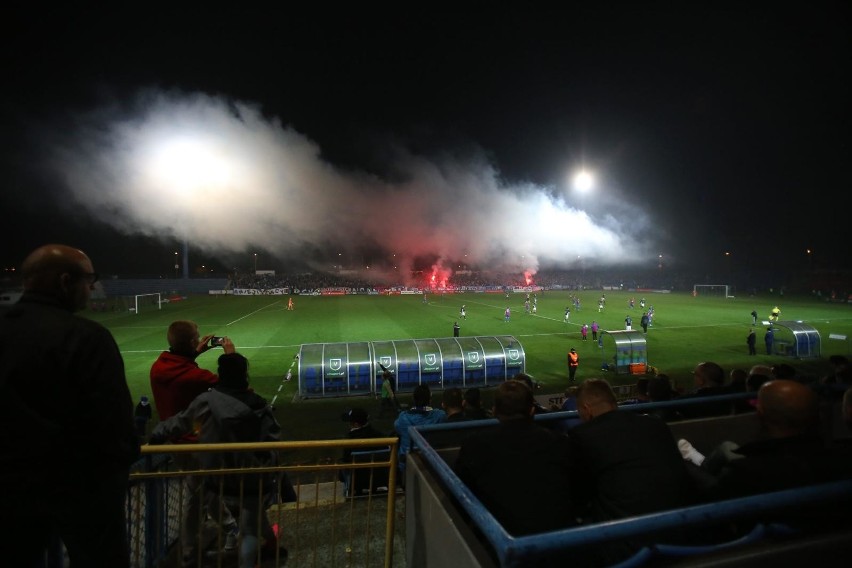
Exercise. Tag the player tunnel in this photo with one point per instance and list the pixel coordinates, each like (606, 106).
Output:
(623, 351)
(351, 369)
(795, 339)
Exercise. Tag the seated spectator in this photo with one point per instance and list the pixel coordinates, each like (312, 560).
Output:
(755, 380)
(738, 380)
(847, 408)
(640, 392)
(614, 449)
(660, 390)
(528, 380)
(783, 371)
(739, 377)
(709, 381)
(520, 471)
(628, 463)
(569, 404)
(473, 405)
(452, 403)
(791, 454)
(359, 429)
(419, 414)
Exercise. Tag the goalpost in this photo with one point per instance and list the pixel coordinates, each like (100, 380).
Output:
(716, 290)
(141, 301)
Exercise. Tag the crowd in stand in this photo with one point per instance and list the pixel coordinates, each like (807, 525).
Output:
(563, 279)
(610, 463)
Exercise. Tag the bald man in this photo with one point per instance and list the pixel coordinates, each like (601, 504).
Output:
(629, 461)
(791, 454)
(66, 419)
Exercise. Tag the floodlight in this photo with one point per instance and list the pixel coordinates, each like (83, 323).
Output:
(583, 181)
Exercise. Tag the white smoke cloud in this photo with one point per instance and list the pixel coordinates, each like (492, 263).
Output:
(227, 179)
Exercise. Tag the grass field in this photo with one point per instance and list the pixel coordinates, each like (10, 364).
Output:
(686, 330)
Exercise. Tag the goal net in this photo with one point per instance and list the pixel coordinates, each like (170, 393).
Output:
(147, 302)
(713, 290)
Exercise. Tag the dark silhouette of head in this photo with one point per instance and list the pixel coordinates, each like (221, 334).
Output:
(62, 273)
(513, 400)
(422, 395)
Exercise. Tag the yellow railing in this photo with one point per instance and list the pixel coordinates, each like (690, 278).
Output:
(309, 527)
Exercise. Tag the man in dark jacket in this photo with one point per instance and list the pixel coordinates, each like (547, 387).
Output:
(520, 471)
(67, 436)
(615, 448)
(360, 428)
(629, 464)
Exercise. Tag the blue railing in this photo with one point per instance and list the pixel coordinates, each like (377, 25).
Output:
(517, 551)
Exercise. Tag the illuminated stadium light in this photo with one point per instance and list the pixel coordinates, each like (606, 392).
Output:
(188, 166)
(583, 181)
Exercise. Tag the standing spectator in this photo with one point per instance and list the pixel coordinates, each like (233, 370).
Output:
(492, 462)
(751, 341)
(176, 381)
(472, 404)
(573, 363)
(388, 393)
(419, 414)
(67, 437)
(456, 329)
(141, 417)
(769, 339)
(644, 321)
(584, 332)
(595, 328)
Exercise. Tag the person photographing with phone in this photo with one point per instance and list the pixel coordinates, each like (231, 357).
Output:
(176, 380)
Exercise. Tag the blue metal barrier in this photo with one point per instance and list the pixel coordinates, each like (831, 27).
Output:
(518, 551)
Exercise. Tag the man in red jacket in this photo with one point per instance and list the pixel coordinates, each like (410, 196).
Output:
(176, 379)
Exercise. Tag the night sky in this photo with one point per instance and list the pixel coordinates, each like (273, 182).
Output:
(432, 134)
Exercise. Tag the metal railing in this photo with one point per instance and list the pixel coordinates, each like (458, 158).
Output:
(178, 510)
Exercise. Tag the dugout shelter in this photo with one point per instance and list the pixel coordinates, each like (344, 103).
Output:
(623, 351)
(795, 339)
(352, 369)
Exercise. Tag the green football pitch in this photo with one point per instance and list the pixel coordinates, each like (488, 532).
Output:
(686, 330)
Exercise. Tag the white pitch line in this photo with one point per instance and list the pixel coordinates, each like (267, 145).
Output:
(254, 312)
